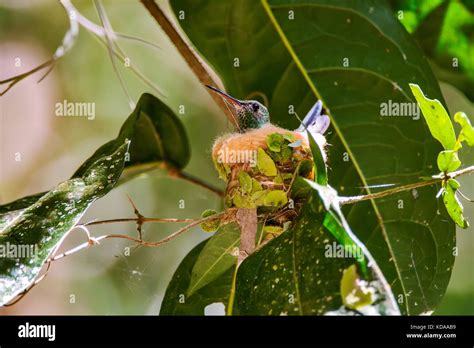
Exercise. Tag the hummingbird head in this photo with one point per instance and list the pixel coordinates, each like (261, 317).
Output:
(250, 114)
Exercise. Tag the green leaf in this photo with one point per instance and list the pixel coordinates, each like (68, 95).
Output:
(211, 225)
(256, 186)
(275, 141)
(354, 291)
(258, 198)
(436, 117)
(40, 226)
(156, 134)
(152, 133)
(218, 256)
(265, 164)
(453, 205)
(20, 204)
(275, 198)
(467, 130)
(297, 273)
(290, 137)
(286, 152)
(448, 161)
(175, 301)
(243, 201)
(274, 230)
(335, 222)
(320, 164)
(296, 62)
(245, 181)
(334, 226)
(215, 258)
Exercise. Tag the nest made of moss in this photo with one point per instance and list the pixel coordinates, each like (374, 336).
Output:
(263, 169)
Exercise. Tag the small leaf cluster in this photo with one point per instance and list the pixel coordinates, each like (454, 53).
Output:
(267, 183)
(441, 128)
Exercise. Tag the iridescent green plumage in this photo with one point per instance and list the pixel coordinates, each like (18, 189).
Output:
(250, 114)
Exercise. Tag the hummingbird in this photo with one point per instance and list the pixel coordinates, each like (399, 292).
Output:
(253, 122)
(254, 126)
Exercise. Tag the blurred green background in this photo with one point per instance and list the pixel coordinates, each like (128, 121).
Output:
(103, 280)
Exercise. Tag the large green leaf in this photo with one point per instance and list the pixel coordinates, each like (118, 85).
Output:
(28, 240)
(258, 47)
(152, 133)
(300, 273)
(216, 257)
(156, 135)
(176, 301)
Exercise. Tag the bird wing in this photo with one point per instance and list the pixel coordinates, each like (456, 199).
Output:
(314, 122)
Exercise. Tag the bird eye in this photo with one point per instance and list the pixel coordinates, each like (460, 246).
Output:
(255, 107)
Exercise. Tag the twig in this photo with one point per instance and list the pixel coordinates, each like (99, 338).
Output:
(464, 196)
(91, 241)
(108, 38)
(15, 79)
(173, 172)
(66, 44)
(98, 33)
(144, 219)
(139, 169)
(194, 222)
(452, 175)
(187, 53)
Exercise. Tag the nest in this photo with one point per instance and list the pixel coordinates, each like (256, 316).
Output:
(263, 169)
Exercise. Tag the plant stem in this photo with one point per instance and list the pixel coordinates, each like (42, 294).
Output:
(166, 239)
(96, 240)
(191, 58)
(230, 305)
(197, 181)
(131, 172)
(137, 219)
(452, 175)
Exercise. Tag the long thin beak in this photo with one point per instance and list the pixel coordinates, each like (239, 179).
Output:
(233, 101)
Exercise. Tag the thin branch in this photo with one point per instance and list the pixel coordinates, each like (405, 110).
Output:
(139, 169)
(132, 67)
(191, 58)
(109, 40)
(196, 181)
(381, 194)
(225, 217)
(12, 81)
(140, 217)
(464, 196)
(96, 240)
(67, 43)
(98, 33)
(144, 219)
